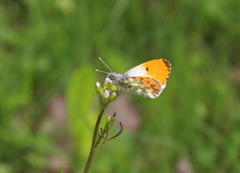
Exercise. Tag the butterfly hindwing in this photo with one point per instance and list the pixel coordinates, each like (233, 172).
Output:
(144, 86)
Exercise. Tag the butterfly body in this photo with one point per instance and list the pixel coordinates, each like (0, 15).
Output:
(147, 79)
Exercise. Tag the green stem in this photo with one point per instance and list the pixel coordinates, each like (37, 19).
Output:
(93, 147)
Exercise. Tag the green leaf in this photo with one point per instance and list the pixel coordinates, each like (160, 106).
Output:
(80, 97)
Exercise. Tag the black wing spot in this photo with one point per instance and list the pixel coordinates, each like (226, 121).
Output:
(147, 69)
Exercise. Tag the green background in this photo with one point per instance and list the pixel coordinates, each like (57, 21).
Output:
(49, 51)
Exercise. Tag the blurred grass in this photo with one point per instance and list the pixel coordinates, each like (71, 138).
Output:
(44, 46)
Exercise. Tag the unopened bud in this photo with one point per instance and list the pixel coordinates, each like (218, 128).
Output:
(113, 96)
(110, 121)
(108, 83)
(106, 94)
(108, 79)
(99, 88)
(114, 88)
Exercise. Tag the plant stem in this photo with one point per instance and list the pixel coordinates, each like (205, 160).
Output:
(93, 149)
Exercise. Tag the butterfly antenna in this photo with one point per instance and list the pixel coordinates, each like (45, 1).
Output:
(104, 64)
(101, 71)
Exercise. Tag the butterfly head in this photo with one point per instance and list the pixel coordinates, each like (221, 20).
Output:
(111, 75)
(115, 76)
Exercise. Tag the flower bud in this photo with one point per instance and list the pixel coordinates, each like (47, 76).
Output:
(113, 96)
(106, 94)
(114, 88)
(108, 79)
(110, 121)
(105, 97)
(108, 83)
(99, 88)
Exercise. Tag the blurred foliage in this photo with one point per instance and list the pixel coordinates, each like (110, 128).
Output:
(50, 48)
(82, 117)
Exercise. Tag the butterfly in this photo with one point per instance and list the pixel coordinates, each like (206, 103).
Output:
(147, 79)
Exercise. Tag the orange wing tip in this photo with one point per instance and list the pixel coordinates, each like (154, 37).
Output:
(158, 69)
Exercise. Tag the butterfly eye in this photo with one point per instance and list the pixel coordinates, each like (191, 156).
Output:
(111, 76)
(147, 69)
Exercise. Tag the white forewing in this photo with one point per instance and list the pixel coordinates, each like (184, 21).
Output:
(136, 71)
